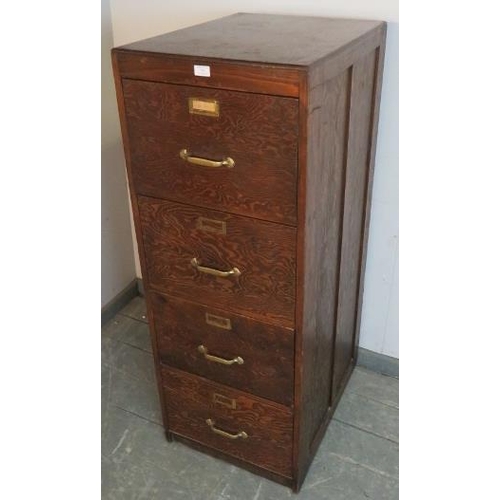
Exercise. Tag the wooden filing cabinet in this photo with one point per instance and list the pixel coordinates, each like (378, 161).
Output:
(250, 144)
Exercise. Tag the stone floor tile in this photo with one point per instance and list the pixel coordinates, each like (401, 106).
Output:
(126, 481)
(243, 485)
(368, 415)
(109, 348)
(134, 362)
(130, 331)
(333, 478)
(136, 309)
(372, 452)
(138, 396)
(374, 386)
(132, 440)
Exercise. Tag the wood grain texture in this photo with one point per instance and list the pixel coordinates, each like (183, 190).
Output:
(363, 78)
(330, 67)
(190, 402)
(328, 109)
(267, 350)
(331, 224)
(247, 77)
(258, 132)
(263, 38)
(264, 253)
(377, 89)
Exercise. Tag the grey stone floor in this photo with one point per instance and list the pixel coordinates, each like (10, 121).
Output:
(358, 458)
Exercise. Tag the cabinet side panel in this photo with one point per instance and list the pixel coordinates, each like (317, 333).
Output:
(358, 160)
(380, 55)
(327, 128)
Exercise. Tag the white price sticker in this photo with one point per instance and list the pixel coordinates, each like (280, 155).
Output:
(201, 70)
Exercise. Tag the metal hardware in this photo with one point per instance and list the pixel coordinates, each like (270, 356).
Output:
(224, 401)
(241, 434)
(214, 272)
(203, 350)
(218, 321)
(200, 106)
(211, 225)
(205, 162)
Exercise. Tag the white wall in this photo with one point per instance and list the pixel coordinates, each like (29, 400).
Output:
(134, 20)
(117, 257)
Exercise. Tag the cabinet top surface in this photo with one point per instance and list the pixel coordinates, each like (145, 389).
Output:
(264, 38)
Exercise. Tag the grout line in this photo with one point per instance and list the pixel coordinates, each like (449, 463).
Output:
(389, 405)
(367, 467)
(123, 371)
(117, 339)
(139, 416)
(135, 347)
(372, 372)
(131, 317)
(366, 430)
(319, 481)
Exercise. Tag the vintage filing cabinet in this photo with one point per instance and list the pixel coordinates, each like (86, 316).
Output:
(250, 144)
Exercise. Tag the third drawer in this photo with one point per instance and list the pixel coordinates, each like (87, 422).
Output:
(231, 349)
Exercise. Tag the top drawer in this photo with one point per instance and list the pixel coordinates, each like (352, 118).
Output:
(258, 132)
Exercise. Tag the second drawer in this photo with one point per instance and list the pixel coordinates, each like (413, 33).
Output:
(231, 349)
(220, 259)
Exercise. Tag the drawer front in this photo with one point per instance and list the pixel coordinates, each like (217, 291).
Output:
(186, 245)
(267, 438)
(228, 348)
(258, 132)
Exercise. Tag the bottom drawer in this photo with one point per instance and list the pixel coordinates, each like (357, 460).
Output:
(230, 421)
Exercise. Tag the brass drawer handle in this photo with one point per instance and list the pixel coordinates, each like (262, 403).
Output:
(215, 272)
(222, 361)
(205, 162)
(241, 434)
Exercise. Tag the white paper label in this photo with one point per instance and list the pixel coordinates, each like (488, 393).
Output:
(201, 70)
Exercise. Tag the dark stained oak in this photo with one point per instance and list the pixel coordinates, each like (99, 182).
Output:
(250, 77)
(192, 400)
(331, 222)
(299, 104)
(267, 350)
(262, 38)
(375, 105)
(258, 132)
(263, 252)
(363, 79)
(327, 122)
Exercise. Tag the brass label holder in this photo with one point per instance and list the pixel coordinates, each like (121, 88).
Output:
(218, 321)
(224, 401)
(201, 106)
(211, 225)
